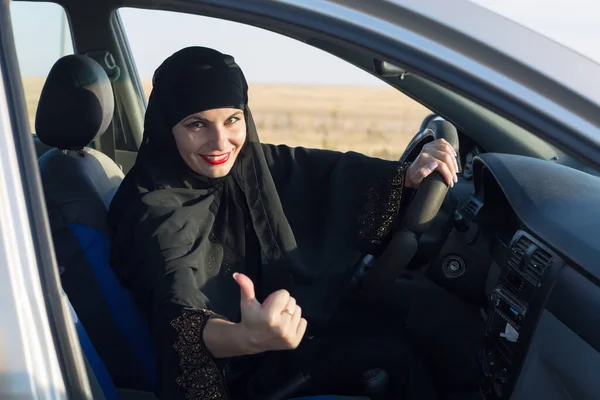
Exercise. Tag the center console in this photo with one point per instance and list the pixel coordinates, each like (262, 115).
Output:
(515, 305)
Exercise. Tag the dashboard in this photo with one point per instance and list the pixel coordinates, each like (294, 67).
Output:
(529, 240)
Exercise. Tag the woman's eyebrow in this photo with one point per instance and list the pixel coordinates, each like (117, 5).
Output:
(235, 114)
(196, 118)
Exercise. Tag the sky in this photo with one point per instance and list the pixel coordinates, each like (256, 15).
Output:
(267, 57)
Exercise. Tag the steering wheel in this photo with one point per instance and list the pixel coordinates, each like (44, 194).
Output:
(423, 208)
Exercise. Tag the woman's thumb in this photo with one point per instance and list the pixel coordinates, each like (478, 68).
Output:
(246, 287)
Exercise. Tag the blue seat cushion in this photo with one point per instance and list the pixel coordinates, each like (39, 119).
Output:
(98, 368)
(113, 322)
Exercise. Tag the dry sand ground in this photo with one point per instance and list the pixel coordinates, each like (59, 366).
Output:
(377, 121)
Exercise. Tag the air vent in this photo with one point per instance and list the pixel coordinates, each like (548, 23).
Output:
(539, 261)
(517, 251)
(473, 206)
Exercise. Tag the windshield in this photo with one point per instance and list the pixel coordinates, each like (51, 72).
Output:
(572, 23)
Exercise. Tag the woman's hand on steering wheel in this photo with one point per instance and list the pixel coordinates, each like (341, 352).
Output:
(276, 324)
(435, 156)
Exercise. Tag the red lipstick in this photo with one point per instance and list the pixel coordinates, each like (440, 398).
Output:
(216, 159)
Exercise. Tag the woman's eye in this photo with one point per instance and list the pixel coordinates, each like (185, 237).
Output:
(195, 125)
(232, 120)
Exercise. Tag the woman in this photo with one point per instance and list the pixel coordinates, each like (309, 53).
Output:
(234, 249)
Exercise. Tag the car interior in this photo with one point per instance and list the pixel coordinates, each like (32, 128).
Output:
(514, 241)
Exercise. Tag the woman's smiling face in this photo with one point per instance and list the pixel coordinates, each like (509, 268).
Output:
(210, 141)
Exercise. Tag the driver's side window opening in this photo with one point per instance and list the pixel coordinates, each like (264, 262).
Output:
(42, 36)
(299, 95)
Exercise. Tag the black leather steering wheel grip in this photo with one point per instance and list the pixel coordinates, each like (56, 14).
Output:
(432, 191)
(423, 208)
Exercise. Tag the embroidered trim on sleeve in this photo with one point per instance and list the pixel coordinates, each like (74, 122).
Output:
(200, 377)
(382, 207)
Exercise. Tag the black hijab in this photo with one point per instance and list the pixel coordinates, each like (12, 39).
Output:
(291, 218)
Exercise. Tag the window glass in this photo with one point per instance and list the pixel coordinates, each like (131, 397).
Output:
(299, 95)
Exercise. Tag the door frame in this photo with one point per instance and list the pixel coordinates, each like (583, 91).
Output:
(42, 357)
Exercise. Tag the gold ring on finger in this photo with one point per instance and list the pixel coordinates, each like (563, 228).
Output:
(287, 310)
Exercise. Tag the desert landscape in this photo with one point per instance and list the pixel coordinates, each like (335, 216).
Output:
(377, 121)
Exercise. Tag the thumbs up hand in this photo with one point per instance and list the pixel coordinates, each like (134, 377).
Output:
(277, 324)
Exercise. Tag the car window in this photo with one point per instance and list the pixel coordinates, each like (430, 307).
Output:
(299, 95)
(42, 36)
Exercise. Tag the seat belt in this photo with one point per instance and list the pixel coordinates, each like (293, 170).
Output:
(106, 142)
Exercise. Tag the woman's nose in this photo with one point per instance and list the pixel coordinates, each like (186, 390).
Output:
(219, 137)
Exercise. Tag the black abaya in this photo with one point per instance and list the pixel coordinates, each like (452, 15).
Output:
(291, 218)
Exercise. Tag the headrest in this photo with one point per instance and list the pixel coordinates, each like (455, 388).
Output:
(76, 104)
